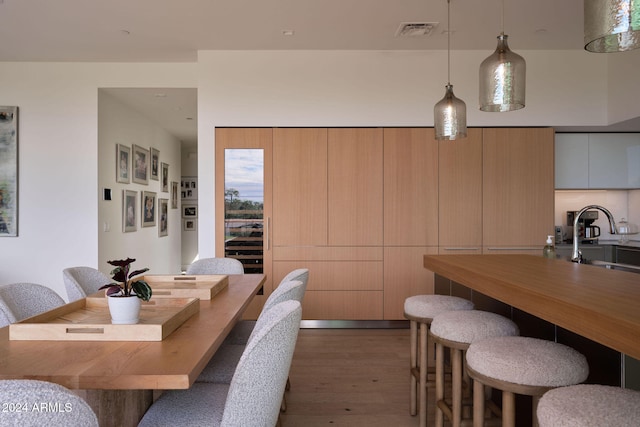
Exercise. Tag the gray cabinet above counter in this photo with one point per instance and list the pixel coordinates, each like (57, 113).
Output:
(597, 161)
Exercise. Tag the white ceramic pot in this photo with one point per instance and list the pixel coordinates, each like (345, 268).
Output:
(124, 310)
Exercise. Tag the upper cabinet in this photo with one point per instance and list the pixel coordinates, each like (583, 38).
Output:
(597, 161)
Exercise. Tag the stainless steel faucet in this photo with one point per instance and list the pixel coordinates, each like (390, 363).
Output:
(576, 255)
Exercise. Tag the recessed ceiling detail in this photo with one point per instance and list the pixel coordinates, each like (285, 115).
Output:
(415, 29)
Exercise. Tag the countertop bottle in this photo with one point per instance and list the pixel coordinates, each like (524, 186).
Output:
(549, 251)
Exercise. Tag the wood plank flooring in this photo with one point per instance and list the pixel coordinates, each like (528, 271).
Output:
(351, 377)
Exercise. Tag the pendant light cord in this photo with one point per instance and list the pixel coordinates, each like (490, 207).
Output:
(502, 23)
(449, 42)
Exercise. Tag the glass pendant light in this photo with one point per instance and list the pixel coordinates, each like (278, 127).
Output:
(611, 25)
(450, 113)
(502, 78)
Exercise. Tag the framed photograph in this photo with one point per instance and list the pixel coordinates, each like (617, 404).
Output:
(174, 195)
(163, 217)
(165, 177)
(140, 165)
(129, 209)
(123, 162)
(189, 188)
(189, 224)
(190, 211)
(148, 208)
(8, 171)
(155, 162)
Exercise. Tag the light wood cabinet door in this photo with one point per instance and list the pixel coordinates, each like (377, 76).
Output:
(460, 194)
(410, 187)
(300, 187)
(355, 187)
(518, 187)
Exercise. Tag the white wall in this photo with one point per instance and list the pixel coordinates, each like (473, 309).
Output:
(373, 88)
(119, 124)
(58, 160)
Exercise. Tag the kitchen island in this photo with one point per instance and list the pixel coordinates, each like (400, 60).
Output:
(599, 304)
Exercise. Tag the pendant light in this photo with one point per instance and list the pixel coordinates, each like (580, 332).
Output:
(502, 78)
(450, 113)
(611, 25)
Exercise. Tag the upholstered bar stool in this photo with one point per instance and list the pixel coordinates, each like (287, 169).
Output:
(456, 330)
(589, 405)
(520, 365)
(420, 310)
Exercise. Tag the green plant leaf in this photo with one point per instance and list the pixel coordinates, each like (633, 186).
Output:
(142, 289)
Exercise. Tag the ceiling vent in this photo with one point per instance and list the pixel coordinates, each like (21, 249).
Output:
(415, 29)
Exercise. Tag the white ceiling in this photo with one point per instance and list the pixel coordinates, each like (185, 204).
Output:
(174, 31)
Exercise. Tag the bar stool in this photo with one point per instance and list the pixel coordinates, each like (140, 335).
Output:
(520, 365)
(456, 330)
(589, 405)
(421, 309)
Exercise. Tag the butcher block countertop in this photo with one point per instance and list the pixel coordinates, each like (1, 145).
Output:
(600, 304)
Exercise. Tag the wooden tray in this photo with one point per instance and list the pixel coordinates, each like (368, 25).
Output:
(88, 319)
(197, 286)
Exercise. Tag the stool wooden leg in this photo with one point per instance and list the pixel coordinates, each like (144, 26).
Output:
(478, 404)
(456, 386)
(534, 417)
(414, 365)
(508, 409)
(439, 384)
(422, 404)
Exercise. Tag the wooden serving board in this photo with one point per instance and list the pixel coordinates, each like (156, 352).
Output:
(88, 319)
(203, 286)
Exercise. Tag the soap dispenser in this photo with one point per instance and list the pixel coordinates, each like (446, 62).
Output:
(549, 251)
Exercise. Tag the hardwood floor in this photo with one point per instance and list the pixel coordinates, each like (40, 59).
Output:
(350, 377)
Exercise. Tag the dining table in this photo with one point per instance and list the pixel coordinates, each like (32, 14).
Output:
(119, 379)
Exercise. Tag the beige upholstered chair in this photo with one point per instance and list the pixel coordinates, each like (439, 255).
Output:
(19, 301)
(216, 266)
(54, 405)
(254, 395)
(83, 281)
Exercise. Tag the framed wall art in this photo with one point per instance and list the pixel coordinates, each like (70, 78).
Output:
(189, 211)
(174, 195)
(165, 177)
(148, 208)
(8, 171)
(123, 160)
(140, 165)
(189, 224)
(189, 188)
(155, 163)
(163, 217)
(129, 209)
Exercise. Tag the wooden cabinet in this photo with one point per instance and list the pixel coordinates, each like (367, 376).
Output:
(597, 161)
(460, 194)
(518, 189)
(410, 214)
(328, 217)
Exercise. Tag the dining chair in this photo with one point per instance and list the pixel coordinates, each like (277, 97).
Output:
(83, 281)
(242, 329)
(253, 397)
(32, 403)
(216, 266)
(4, 318)
(19, 301)
(222, 365)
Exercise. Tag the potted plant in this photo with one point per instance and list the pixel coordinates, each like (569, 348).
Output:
(125, 295)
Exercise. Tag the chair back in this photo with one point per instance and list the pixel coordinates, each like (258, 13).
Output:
(83, 281)
(301, 274)
(216, 266)
(43, 404)
(21, 300)
(4, 317)
(256, 390)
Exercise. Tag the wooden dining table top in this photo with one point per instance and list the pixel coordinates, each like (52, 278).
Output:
(173, 363)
